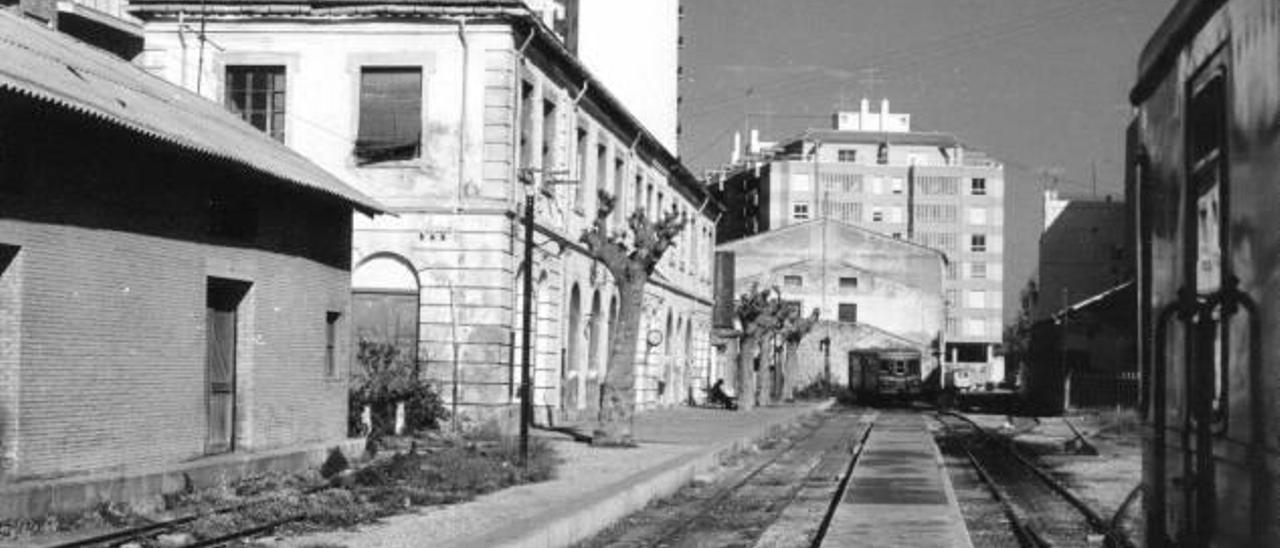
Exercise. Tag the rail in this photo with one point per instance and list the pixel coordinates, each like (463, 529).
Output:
(1022, 524)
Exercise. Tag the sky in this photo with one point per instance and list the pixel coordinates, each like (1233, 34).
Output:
(1041, 85)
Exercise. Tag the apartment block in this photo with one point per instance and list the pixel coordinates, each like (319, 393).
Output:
(871, 170)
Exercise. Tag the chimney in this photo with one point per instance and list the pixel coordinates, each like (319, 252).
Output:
(884, 115)
(736, 154)
(864, 115)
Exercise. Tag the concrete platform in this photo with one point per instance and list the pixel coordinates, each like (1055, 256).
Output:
(594, 486)
(900, 493)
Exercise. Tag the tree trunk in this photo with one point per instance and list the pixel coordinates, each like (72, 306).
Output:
(767, 368)
(618, 395)
(790, 370)
(746, 383)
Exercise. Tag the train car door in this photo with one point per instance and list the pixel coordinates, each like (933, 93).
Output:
(1207, 266)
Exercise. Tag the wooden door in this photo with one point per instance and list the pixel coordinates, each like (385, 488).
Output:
(220, 365)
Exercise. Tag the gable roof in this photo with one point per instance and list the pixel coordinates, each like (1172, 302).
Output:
(54, 68)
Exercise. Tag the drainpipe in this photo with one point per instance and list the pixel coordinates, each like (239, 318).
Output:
(462, 121)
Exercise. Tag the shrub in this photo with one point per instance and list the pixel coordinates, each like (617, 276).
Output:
(385, 378)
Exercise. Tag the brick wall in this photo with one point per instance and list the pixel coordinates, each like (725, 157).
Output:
(113, 261)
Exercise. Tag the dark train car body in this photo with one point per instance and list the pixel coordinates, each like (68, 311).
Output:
(1204, 147)
(884, 376)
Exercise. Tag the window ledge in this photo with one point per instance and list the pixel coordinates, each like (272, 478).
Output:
(390, 164)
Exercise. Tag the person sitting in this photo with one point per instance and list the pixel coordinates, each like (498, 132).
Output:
(716, 395)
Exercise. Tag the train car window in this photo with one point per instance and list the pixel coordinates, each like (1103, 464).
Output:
(1207, 138)
(1207, 150)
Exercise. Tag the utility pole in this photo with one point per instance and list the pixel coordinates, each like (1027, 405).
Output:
(526, 384)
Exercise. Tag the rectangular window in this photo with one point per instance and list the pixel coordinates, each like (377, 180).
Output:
(800, 212)
(602, 175)
(848, 282)
(793, 306)
(978, 187)
(877, 185)
(877, 216)
(895, 185)
(847, 155)
(580, 189)
(648, 196)
(526, 126)
(792, 280)
(390, 125)
(331, 343)
(978, 271)
(847, 313)
(619, 183)
(975, 327)
(882, 154)
(256, 94)
(549, 141)
(978, 243)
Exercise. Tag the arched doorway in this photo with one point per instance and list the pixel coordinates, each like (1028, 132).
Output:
(384, 303)
(595, 321)
(571, 359)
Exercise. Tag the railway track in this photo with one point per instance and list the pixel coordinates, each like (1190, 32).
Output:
(1042, 511)
(139, 533)
(740, 507)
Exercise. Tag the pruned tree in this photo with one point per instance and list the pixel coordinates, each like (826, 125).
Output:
(794, 329)
(632, 264)
(759, 311)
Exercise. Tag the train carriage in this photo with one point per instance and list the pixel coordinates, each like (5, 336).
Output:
(885, 375)
(1204, 150)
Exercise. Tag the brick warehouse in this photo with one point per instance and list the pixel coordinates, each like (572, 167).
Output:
(490, 91)
(174, 285)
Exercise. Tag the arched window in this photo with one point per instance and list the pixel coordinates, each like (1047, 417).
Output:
(384, 303)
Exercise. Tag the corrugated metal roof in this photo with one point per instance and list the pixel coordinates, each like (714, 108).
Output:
(58, 69)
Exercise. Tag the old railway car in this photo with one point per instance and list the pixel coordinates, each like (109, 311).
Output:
(1204, 147)
(878, 376)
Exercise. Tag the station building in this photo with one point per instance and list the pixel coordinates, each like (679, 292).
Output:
(174, 285)
(451, 112)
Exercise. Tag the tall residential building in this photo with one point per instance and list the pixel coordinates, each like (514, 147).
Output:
(871, 170)
(450, 112)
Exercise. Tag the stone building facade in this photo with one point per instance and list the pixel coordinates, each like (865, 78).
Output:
(873, 292)
(450, 114)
